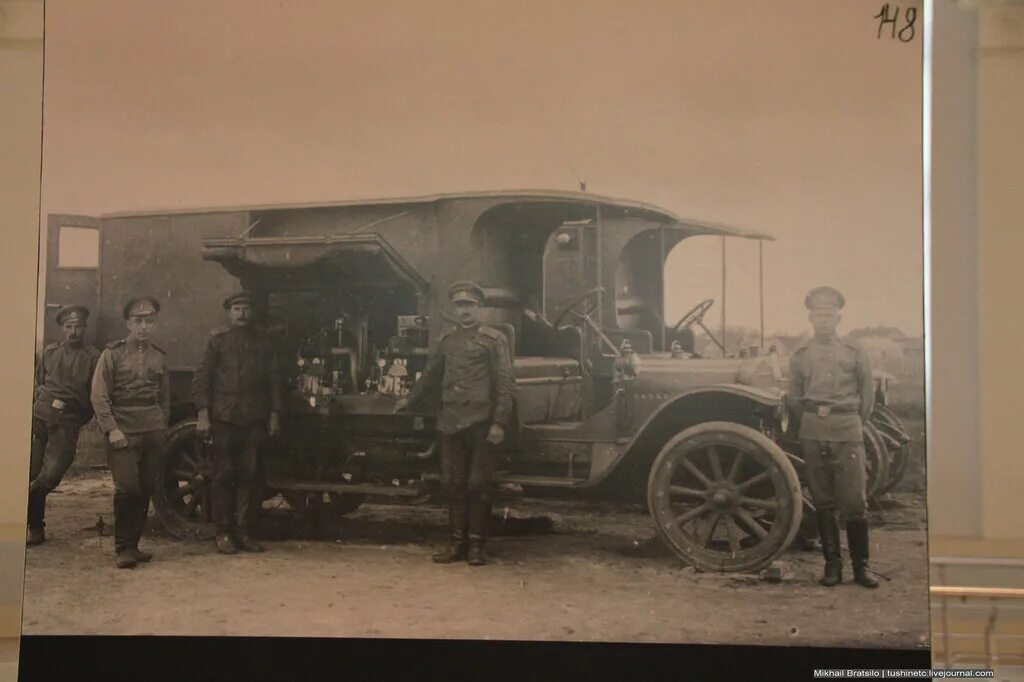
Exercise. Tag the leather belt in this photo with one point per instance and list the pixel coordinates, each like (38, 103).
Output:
(826, 410)
(60, 405)
(137, 403)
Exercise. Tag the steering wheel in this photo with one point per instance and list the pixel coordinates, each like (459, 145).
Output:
(587, 312)
(586, 317)
(695, 315)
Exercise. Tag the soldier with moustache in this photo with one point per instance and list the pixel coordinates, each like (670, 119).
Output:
(472, 368)
(832, 387)
(237, 390)
(131, 395)
(60, 408)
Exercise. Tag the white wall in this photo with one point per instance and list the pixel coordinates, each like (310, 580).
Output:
(954, 473)
(21, 70)
(1001, 251)
(976, 471)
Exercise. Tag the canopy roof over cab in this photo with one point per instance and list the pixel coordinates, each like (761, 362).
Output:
(385, 240)
(693, 226)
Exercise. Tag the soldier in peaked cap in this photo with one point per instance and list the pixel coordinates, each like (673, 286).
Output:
(824, 297)
(237, 390)
(60, 408)
(241, 298)
(141, 307)
(831, 384)
(472, 367)
(131, 396)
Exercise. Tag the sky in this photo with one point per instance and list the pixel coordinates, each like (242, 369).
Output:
(791, 118)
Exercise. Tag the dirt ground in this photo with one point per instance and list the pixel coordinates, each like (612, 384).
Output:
(599, 576)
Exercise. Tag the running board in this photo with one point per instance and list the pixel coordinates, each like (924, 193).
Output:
(344, 488)
(540, 481)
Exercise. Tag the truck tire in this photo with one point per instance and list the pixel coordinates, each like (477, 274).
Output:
(877, 459)
(724, 497)
(181, 494)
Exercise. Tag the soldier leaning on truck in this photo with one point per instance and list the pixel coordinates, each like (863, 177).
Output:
(131, 396)
(472, 367)
(237, 390)
(60, 408)
(831, 384)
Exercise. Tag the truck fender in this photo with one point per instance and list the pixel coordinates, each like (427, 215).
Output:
(735, 403)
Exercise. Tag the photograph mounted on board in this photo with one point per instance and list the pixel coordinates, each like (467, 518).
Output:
(578, 322)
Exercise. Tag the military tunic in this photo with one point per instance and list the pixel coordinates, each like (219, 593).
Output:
(835, 375)
(831, 384)
(131, 389)
(60, 408)
(473, 369)
(63, 381)
(238, 381)
(131, 392)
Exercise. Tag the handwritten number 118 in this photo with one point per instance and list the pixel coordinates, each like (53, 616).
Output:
(887, 16)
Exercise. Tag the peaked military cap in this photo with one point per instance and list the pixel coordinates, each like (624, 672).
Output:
(466, 290)
(72, 313)
(240, 297)
(824, 296)
(141, 306)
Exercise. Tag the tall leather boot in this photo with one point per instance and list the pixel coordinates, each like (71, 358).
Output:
(828, 529)
(476, 554)
(127, 510)
(479, 511)
(138, 528)
(36, 511)
(223, 541)
(223, 506)
(456, 550)
(857, 537)
(134, 550)
(243, 515)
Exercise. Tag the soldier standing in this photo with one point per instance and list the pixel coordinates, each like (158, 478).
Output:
(237, 390)
(131, 395)
(831, 384)
(472, 368)
(60, 408)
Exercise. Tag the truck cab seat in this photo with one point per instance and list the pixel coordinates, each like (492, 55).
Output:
(536, 367)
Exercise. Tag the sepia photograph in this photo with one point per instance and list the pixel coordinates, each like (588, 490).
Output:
(566, 321)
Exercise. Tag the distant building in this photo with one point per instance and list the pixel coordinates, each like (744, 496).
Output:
(913, 358)
(879, 332)
(886, 353)
(893, 351)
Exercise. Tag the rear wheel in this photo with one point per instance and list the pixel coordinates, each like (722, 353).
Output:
(893, 430)
(877, 460)
(181, 494)
(724, 497)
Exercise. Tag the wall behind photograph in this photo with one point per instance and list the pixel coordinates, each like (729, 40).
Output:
(954, 474)
(976, 473)
(21, 79)
(1000, 140)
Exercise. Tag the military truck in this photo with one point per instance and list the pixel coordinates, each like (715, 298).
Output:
(612, 399)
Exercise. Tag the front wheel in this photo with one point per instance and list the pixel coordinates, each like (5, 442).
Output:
(724, 497)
